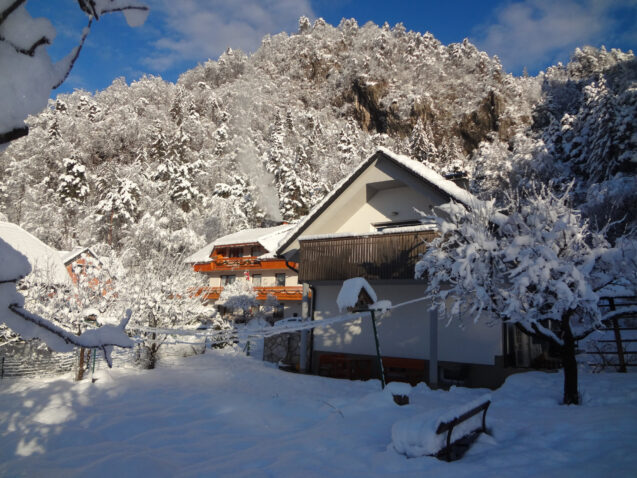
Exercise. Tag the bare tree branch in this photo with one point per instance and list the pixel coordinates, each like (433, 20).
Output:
(78, 49)
(65, 335)
(27, 51)
(121, 9)
(9, 10)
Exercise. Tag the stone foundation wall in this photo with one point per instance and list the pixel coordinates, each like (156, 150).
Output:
(283, 348)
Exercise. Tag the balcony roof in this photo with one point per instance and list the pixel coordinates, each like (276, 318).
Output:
(268, 237)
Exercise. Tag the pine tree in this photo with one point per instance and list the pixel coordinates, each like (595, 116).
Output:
(421, 145)
(73, 186)
(117, 209)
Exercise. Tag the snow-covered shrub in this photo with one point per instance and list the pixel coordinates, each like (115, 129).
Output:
(540, 267)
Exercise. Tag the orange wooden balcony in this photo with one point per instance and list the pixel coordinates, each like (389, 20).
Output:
(222, 263)
(282, 293)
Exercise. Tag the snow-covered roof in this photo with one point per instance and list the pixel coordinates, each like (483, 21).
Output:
(268, 237)
(45, 260)
(69, 256)
(446, 186)
(384, 232)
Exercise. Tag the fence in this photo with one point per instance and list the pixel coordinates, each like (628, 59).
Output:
(174, 345)
(16, 366)
(615, 345)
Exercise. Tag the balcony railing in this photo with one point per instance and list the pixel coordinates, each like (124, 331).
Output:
(374, 256)
(282, 293)
(222, 263)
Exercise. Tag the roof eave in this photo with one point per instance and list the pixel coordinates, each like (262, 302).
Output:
(344, 185)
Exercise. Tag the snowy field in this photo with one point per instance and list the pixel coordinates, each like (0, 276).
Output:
(223, 414)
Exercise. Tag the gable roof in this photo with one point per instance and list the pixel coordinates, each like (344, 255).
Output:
(268, 237)
(445, 186)
(44, 259)
(69, 256)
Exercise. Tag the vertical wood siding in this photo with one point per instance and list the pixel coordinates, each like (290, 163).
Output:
(374, 257)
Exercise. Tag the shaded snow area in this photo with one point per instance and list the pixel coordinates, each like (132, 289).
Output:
(45, 260)
(223, 414)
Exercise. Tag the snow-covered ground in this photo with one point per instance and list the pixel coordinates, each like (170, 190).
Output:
(224, 414)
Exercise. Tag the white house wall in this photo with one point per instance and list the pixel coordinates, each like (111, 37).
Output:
(395, 205)
(352, 199)
(353, 212)
(405, 332)
(267, 280)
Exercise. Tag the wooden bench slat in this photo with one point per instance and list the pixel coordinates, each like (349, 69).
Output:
(448, 427)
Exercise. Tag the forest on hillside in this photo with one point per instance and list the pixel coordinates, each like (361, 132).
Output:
(156, 169)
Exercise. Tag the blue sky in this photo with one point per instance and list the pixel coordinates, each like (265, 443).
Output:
(178, 34)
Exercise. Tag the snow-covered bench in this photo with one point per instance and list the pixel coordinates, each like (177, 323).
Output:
(443, 435)
(469, 437)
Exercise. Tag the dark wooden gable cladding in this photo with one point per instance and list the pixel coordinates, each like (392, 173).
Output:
(374, 257)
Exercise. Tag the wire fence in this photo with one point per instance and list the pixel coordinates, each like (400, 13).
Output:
(172, 345)
(16, 366)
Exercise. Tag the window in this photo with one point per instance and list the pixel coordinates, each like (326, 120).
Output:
(256, 280)
(382, 226)
(280, 279)
(236, 252)
(278, 311)
(227, 280)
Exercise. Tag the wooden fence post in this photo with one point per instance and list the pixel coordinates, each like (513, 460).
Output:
(618, 338)
(80, 368)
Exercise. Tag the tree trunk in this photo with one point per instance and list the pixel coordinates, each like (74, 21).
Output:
(151, 353)
(571, 395)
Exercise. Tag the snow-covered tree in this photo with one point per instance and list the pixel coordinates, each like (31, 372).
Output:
(161, 291)
(118, 208)
(540, 267)
(73, 187)
(241, 199)
(421, 145)
(28, 75)
(27, 78)
(239, 297)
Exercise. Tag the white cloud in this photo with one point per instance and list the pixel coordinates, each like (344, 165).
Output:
(201, 29)
(536, 32)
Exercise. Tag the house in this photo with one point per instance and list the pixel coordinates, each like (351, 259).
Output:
(78, 263)
(249, 255)
(372, 226)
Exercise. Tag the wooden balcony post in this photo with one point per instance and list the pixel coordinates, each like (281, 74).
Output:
(305, 315)
(433, 348)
